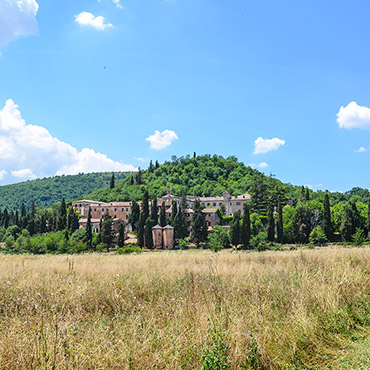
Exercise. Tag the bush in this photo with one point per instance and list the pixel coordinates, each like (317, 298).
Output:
(183, 244)
(318, 236)
(359, 237)
(129, 249)
(218, 239)
(259, 242)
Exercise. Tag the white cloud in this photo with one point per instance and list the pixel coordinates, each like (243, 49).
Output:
(26, 173)
(140, 159)
(263, 165)
(354, 116)
(2, 174)
(89, 19)
(161, 140)
(17, 18)
(262, 146)
(31, 150)
(361, 149)
(118, 4)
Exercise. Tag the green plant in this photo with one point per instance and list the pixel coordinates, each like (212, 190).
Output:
(253, 358)
(359, 237)
(215, 350)
(129, 249)
(318, 236)
(183, 244)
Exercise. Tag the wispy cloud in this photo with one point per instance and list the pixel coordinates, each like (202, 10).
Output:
(354, 116)
(17, 18)
(262, 146)
(89, 19)
(263, 165)
(361, 149)
(161, 140)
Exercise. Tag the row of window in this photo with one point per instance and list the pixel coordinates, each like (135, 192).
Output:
(115, 210)
(220, 204)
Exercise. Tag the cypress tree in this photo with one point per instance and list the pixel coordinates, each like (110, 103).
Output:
(138, 177)
(326, 224)
(106, 231)
(140, 230)
(150, 168)
(259, 193)
(133, 218)
(270, 223)
(180, 224)
(131, 180)
(235, 229)
(346, 226)
(280, 223)
(145, 206)
(156, 164)
(173, 213)
(89, 234)
(121, 235)
(154, 210)
(5, 221)
(62, 215)
(162, 216)
(245, 232)
(199, 229)
(307, 195)
(112, 182)
(43, 224)
(148, 233)
(16, 218)
(303, 194)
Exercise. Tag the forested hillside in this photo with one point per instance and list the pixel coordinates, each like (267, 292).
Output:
(48, 191)
(209, 175)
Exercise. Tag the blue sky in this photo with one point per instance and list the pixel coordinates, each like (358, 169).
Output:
(108, 85)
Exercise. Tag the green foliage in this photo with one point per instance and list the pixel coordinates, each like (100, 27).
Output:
(235, 230)
(218, 238)
(198, 225)
(129, 249)
(359, 237)
(183, 244)
(48, 191)
(121, 235)
(318, 236)
(259, 242)
(215, 350)
(245, 232)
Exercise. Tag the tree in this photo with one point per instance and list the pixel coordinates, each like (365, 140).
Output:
(156, 164)
(62, 215)
(245, 232)
(89, 235)
(318, 236)
(149, 223)
(150, 168)
(198, 224)
(138, 177)
(5, 220)
(133, 218)
(180, 224)
(218, 239)
(302, 224)
(112, 182)
(326, 224)
(235, 229)
(280, 223)
(121, 235)
(162, 215)
(173, 213)
(259, 194)
(270, 223)
(72, 220)
(145, 206)
(307, 195)
(140, 230)
(346, 226)
(154, 210)
(106, 231)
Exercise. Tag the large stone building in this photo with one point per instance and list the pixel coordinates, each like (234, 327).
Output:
(122, 210)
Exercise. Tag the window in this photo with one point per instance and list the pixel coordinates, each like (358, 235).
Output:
(94, 209)
(231, 204)
(220, 204)
(238, 203)
(123, 210)
(115, 210)
(102, 210)
(207, 204)
(126, 217)
(214, 204)
(126, 209)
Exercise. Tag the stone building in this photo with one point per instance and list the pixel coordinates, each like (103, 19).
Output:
(163, 237)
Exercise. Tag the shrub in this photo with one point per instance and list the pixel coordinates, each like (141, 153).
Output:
(359, 237)
(259, 242)
(183, 244)
(318, 236)
(129, 249)
(218, 239)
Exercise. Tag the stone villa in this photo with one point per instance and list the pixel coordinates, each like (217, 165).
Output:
(121, 211)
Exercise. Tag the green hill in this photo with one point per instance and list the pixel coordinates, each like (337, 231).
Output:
(209, 175)
(48, 191)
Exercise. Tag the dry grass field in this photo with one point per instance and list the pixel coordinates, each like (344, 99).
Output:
(186, 310)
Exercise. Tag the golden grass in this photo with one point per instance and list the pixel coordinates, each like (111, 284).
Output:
(274, 310)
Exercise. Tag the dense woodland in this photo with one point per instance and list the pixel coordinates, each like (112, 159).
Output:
(277, 214)
(49, 191)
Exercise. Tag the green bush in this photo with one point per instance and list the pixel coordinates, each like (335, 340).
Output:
(218, 239)
(259, 242)
(318, 236)
(129, 249)
(359, 237)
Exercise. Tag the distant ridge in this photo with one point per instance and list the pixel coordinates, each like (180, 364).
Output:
(48, 191)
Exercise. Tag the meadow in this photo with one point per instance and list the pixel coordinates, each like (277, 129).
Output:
(305, 309)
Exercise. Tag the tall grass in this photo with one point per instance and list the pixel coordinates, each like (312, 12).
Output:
(182, 310)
